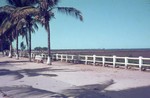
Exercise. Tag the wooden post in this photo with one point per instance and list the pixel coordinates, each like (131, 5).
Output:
(42, 55)
(86, 58)
(72, 56)
(140, 63)
(56, 56)
(34, 55)
(61, 57)
(103, 59)
(126, 62)
(94, 59)
(66, 57)
(31, 55)
(114, 61)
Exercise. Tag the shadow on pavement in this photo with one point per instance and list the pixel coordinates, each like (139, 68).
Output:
(13, 61)
(98, 91)
(24, 91)
(36, 72)
(139, 92)
(16, 75)
(88, 91)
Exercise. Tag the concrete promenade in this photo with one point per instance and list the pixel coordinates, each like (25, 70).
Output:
(23, 79)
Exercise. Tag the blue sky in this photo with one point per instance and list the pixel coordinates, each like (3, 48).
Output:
(108, 24)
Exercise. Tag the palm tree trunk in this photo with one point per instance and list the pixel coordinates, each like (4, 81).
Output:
(1, 44)
(17, 54)
(49, 46)
(10, 50)
(30, 45)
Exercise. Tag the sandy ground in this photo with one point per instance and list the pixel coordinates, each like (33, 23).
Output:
(23, 79)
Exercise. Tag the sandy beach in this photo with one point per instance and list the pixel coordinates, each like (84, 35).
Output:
(23, 79)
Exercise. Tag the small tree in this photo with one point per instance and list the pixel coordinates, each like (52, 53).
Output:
(38, 48)
(44, 48)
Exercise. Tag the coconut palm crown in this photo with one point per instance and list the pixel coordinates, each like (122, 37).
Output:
(22, 12)
(47, 8)
(43, 11)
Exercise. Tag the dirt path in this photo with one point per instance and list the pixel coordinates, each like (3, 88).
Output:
(23, 79)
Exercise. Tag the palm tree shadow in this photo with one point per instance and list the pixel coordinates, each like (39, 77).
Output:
(10, 63)
(24, 91)
(36, 72)
(139, 92)
(15, 61)
(14, 74)
(98, 91)
(88, 91)
(41, 71)
(18, 74)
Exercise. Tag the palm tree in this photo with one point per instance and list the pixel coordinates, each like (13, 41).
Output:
(46, 14)
(28, 20)
(25, 25)
(46, 8)
(5, 25)
(15, 17)
(4, 43)
(9, 37)
(2, 17)
(10, 27)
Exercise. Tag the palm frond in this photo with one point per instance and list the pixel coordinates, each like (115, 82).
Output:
(53, 3)
(32, 30)
(21, 3)
(21, 23)
(22, 12)
(14, 2)
(6, 25)
(35, 26)
(5, 12)
(71, 11)
(7, 9)
(2, 17)
(11, 2)
(51, 14)
(46, 4)
(24, 34)
(43, 4)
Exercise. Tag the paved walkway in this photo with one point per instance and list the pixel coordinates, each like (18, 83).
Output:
(23, 79)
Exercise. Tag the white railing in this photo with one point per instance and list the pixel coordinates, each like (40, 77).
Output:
(114, 61)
